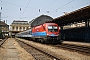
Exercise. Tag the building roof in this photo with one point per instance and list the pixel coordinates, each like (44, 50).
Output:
(78, 15)
(40, 20)
(2, 23)
(20, 22)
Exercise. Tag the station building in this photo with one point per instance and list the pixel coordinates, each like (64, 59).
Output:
(4, 29)
(75, 26)
(18, 26)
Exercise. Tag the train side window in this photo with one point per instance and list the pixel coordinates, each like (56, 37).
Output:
(78, 32)
(87, 30)
(83, 31)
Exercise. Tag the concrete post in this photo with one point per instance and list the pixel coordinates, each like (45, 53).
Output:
(0, 16)
(87, 23)
(87, 31)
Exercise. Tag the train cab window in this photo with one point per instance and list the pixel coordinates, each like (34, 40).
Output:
(52, 28)
(55, 28)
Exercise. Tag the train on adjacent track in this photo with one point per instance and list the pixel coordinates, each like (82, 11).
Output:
(45, 33)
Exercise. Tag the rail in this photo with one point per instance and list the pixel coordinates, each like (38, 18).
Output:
(56, 51)
(2, 42)
(46, 52)
(80, 49)
(37, 53)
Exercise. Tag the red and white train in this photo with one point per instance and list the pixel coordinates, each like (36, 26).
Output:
(45, 33)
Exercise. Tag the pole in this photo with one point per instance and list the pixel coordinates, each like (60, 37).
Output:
(0, 16)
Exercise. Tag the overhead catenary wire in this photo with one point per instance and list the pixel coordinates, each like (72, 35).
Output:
(50, 4)
(39, 10)
(25, 8)
(16, 4)
(22, 9)
(1, 6)
(10, 3)
(62, 6)
(13, 4)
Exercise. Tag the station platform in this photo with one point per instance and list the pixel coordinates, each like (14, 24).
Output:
(11, 50)
(77, 43)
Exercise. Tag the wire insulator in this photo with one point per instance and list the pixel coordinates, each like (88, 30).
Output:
(1, 8)
(20, 9)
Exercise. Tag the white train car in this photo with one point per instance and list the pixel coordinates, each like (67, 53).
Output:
(25, 34)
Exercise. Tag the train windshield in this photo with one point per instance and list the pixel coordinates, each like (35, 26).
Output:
(52, 28)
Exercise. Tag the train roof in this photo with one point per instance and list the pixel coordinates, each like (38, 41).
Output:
(24, 31)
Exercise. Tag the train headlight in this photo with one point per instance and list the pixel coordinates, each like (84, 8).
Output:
(59, 28)
(47, 34)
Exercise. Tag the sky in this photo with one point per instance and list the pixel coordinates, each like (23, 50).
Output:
(30, 9)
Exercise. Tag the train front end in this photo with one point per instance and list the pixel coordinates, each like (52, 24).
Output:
(53, 33)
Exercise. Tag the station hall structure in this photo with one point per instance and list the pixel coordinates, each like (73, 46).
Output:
(18, 26)
(75, 26)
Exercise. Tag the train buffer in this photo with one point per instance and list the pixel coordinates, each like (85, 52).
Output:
(11, 50)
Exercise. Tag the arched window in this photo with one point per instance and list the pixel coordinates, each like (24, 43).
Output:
(23, 28)
(27, 28)
(12, 28)
(20, 28)
(16, 28)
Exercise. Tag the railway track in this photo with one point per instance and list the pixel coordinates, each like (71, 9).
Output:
(57, 51)
(2, 42)
(80, 49)
(36, 53)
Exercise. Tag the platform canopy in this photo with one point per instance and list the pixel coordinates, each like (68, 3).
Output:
(76, 16)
